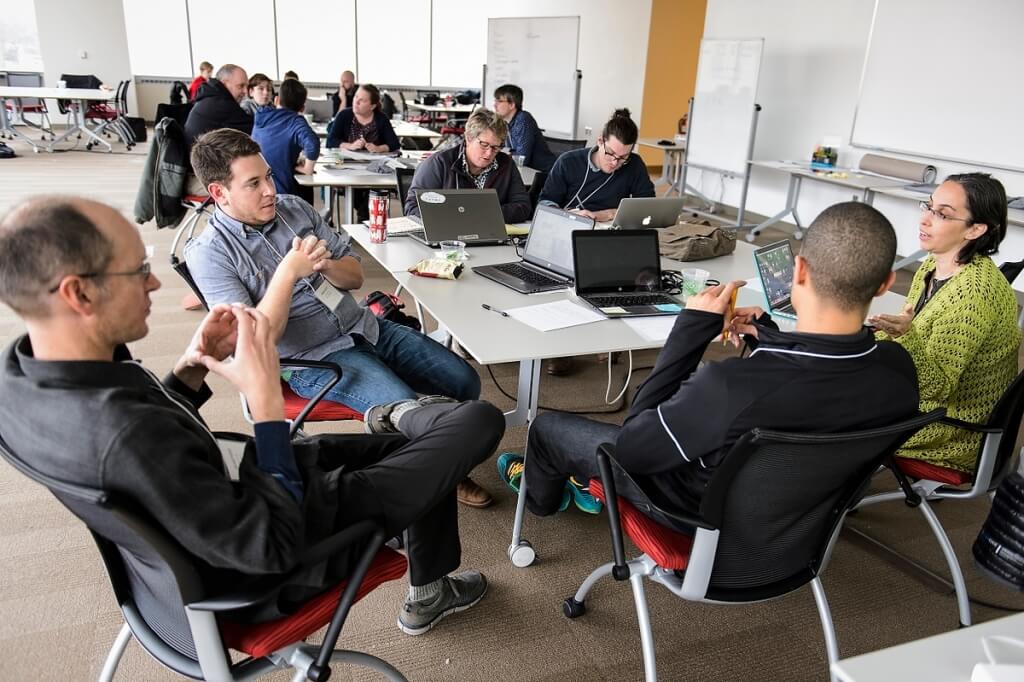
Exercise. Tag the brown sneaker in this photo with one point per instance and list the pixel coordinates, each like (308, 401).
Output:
(469, 493)
(557, 367)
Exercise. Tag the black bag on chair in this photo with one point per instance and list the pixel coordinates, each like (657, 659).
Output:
(999, 549)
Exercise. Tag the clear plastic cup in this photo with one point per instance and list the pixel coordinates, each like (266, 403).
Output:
(694, 280)
(452, 249)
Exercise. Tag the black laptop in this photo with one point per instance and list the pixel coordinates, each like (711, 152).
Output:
(618, 272)
(547, 258)
(472, 216)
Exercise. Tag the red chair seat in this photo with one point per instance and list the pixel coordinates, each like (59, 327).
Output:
(101, 111)
(195, 199)
(670, 548)
(261, 639)
(919, 469)
(325, 411)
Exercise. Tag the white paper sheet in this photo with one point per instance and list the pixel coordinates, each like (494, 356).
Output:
(652, 328)
(556, 315)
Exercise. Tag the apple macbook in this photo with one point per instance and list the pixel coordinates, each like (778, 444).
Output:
(774, 265)
(472, 216)
(635, 213)
(547, 257)
(618, 272)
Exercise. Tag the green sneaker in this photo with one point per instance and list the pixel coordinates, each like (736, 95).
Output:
(458, 593)
(510, 469)
(585, 502)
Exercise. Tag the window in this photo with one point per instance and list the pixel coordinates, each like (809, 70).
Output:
(19, 38)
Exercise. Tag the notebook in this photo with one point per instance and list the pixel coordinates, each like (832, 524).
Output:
(468, 215)
(618, 272)
(774, 264)
(634, 213)
(547, 258)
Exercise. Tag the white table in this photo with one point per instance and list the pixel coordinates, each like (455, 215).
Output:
(865, 183)
(442, 108)
(672, 162)
(949, 657)
(81, 97)
(402, 129)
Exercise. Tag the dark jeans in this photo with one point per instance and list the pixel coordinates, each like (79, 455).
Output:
(407, 482)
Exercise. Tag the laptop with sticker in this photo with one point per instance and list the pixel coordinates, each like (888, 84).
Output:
(618, 272)
(472, 216)
(774, 264)
(547, 258)
(638, 212)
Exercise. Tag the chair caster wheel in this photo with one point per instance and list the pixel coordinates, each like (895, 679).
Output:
(751, 236)
(522, 555)
(798, 235)
(572, 608)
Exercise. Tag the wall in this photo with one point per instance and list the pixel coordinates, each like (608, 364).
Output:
(94, 26)
(810, 80)
(673, 48)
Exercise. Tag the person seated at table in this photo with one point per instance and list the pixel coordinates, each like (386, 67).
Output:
(524, 137)
(216, 105)
(960, 320)
(290, 75)
(363, 127)
(261, 94)
(120, 429)
(343, 98)
(205, 73)
(592, 181)
(247, 254)
(289, 145)
(826, 376)
(477, 162)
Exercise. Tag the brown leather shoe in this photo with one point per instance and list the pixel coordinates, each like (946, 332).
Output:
(557, 367)
(469, 493)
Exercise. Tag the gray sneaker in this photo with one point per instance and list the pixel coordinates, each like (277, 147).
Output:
(458, 593)
(378, 418)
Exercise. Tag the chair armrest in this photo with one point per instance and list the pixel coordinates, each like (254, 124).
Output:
(970, 426)
(315, 400)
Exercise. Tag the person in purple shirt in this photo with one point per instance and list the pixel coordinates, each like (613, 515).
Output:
(289, 145)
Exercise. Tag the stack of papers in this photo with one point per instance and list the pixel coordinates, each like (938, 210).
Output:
(400, 225)
(557, 315)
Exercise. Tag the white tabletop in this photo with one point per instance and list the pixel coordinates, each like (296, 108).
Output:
(676, 145)
(345, 175)
(57, 93)
(1014, 216)
(441, 108)
(853, 177)
(402, 129)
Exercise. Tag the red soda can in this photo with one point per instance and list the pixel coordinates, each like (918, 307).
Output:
(378, 216)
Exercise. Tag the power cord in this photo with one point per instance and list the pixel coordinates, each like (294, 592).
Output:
(620, 399)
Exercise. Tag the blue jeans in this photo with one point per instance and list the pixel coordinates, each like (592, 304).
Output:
(402, 364)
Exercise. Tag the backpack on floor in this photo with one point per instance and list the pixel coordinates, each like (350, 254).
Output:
(389, 307)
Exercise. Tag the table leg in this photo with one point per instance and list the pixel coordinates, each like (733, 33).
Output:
(520, 551)
(912, 258)
(8, 128)
(792, 196)
(666, 172)
(350, 195)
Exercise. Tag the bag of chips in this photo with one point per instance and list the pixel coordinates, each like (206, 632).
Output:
(441, 268)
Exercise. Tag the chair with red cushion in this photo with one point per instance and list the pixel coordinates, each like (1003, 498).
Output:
(766, 526)
(23, 106)
(921, 482)
(190, 628)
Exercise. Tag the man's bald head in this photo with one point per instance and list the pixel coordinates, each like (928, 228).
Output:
(235, 79)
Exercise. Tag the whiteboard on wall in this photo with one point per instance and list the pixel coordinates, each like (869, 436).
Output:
(942, 80)
(722, 117)
(539, 55)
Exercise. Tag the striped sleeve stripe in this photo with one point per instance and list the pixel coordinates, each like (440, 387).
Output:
(670, 435)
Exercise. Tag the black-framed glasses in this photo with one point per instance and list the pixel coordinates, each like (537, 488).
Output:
(142, 271)
(925, 206)
(487, 146)
(615, 157)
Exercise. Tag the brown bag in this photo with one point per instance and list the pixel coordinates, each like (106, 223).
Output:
(696, 241)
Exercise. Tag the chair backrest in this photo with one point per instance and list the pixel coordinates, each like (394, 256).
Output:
(1011, 269)
(29, 79)
(559, 146)
(536, 187)
(1005, 416)
(778, 499)
(403, 179)
(122, 99)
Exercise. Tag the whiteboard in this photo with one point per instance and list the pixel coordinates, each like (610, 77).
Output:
(539, 55)
(942, 80)
(722, 117)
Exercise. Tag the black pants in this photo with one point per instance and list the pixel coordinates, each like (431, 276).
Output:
(407, 482)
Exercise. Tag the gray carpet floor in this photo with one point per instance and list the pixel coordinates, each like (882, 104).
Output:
(58, 617)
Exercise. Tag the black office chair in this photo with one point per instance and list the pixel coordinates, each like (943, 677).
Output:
(767, 523)
(403, 180)
(559, 146)
(1011, 269)
(188, 628)
(539, 178)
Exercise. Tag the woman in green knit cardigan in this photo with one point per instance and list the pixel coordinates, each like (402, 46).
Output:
(960, 321)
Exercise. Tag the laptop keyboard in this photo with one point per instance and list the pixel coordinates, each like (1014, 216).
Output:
(627, 300)
(526, 274)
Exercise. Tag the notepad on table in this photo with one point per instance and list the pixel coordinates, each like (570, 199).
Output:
(556, 315)
(400, 225)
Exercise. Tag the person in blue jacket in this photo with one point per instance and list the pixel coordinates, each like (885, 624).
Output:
(525, 138)
(289, 145)
(363, 127)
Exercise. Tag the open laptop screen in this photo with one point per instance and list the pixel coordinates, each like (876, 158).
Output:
(550, 242)
(775, 267)
(616, 260)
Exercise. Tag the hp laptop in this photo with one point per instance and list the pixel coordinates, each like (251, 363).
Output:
(547, 258)
(320, 108)
(634, 213)
(469, 215)
(619, 273)
(774, 265)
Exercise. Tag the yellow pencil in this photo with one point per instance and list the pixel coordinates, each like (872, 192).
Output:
(732, 309)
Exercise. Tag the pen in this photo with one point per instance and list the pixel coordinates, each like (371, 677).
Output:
(732, 309)
(493, 310)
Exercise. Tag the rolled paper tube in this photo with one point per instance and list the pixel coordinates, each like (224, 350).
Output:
(898, 168)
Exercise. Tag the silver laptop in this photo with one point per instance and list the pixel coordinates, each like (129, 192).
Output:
(468, 215)
(774, 265)
(635, 213)
(547, 258)
(320, 108)
(618, 272)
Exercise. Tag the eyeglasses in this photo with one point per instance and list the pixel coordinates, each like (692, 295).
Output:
(925, 206)
(615, 157)
(142, 271)
(487, 146)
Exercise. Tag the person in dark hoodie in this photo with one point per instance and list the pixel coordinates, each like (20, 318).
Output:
(217, 104)
(289, 145)
(824, 377)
